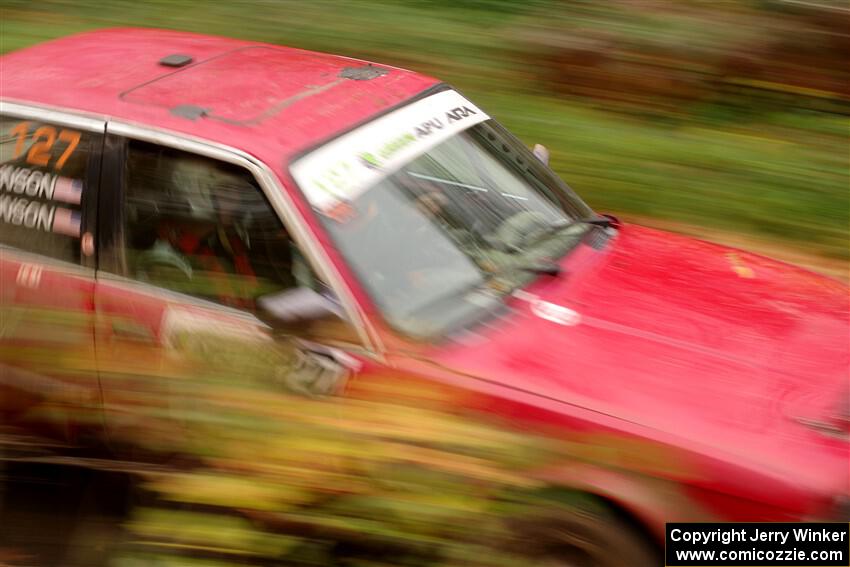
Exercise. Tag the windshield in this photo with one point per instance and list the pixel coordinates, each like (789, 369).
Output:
(439, 236)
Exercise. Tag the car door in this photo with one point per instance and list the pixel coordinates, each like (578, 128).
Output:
(188, 245)
(49, 174)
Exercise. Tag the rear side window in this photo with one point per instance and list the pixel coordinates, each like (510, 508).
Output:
(45, 175)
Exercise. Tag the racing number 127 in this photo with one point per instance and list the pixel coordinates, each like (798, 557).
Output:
(43, 139)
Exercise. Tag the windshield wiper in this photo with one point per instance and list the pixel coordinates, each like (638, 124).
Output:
(543, 267)
(540, 234)
(560, 225)
(604, 222)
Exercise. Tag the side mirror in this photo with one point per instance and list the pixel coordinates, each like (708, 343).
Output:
(305, 313)
(541, 152)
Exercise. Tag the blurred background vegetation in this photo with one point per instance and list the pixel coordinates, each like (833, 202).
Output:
(723, 119)
(224, 463)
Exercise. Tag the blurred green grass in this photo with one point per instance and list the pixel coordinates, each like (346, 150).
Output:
(779, 172)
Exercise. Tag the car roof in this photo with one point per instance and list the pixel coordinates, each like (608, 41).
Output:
(270, 101)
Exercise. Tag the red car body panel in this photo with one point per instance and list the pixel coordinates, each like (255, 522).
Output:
(284, 95)
(672, 339)
(52, 312)
(702, 357)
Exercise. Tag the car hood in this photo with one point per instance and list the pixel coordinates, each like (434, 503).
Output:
(714, 344)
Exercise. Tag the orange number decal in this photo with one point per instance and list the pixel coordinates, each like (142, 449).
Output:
(39, 153)
(43, 140)
(73, 138)
(20, 130)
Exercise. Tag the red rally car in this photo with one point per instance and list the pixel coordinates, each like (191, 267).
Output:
(153, 183)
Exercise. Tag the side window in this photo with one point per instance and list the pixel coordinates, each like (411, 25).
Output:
(45, 174)
(203, 227)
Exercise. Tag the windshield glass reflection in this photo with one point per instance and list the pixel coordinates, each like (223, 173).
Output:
(450, 232)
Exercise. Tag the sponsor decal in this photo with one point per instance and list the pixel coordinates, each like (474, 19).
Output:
(20, 189)
(19, 211)
(26, 192)
(337, 173)
(39, 216)
(66, 221)
(40, 185)
(67, 190)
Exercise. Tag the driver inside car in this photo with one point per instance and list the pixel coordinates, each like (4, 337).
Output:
(203, 244)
